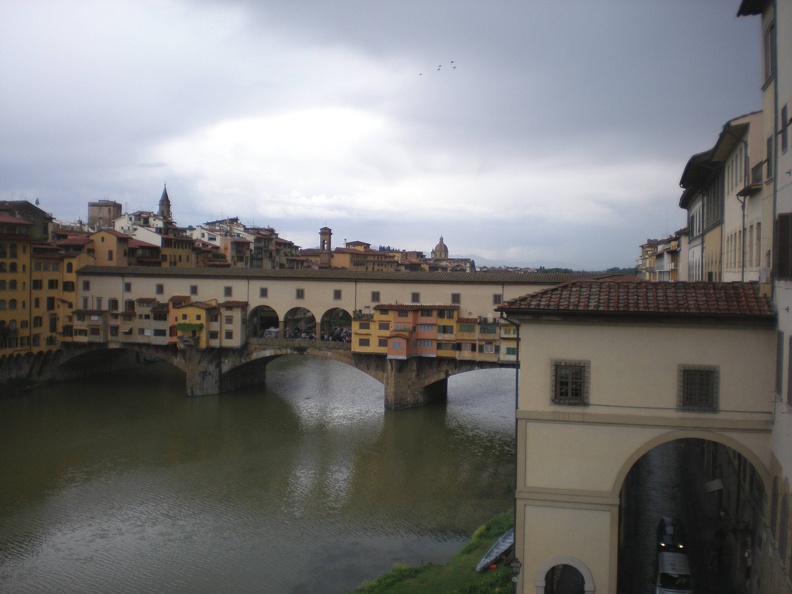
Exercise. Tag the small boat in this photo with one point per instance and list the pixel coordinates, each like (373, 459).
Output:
(503, 544)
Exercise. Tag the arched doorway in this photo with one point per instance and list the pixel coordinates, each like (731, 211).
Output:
(692, 497)
(564, 575)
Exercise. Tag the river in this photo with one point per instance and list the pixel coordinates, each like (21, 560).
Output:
(305, 484)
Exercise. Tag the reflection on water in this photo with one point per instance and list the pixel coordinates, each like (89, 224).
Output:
(305, 485)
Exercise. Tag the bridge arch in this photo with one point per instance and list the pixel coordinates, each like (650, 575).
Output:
(744, 450)
(547, 565)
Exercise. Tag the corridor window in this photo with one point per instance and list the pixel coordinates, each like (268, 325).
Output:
(456, 298)
(375, 296)
(570, 382)
(415, 297)
(336, 294)
(300, 294)
(698, 388)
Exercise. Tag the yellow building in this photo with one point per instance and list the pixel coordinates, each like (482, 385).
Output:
(46, 302)
(15, 248)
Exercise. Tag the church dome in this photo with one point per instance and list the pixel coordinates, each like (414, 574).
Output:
(440, 252)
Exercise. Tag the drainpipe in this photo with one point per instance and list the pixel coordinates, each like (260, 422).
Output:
(516, 565)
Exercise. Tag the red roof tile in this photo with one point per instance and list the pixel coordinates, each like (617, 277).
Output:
(738, 300)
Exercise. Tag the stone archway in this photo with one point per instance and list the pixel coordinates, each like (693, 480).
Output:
(336, 325)
(549, 564)
(299, 322)
(261, 320)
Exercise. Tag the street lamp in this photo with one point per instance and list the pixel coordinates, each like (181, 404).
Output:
(516, 566)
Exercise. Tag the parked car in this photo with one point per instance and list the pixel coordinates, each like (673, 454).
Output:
(670, 535)
(673, 574)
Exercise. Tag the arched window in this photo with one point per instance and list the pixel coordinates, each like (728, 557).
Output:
(12, 267)
(3, 267)
(3, 305)
(12, 304)
(12, 325)
(2, 285)
(69, 267)
(12, 250)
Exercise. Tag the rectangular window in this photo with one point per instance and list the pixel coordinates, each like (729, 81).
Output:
(364, 342)
(110, 255)
(382, 342)
(193, 289)
(426, 344)
(768, 48)
(445, 329)
(782, 252)
(263, 292)
(375, 296)
(383, 326)
(427, 313)
(300, 294)
(36, 284)
(127, 287)
(227, 292)
(511, 351)
(228, 320)
(789, 373)
(364, 326)
(68, 286)
(769, 157)
(52, 283)
(456, 298)
(112, 304)
(570, 382)
(415, 297)
(160, 289)
(98, 304)
(425, 328)
(213, 335)
(229, 334)
(403, 314)
(160, 332)
(86, 285)
(497, 299)
(467, 328)
(336, 294)
(129, 305)
(698, 388)
(397, 345)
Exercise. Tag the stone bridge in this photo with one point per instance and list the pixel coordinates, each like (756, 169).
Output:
(407, 383)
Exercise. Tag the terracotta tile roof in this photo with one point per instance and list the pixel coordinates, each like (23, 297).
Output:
(7, 218)
(234, 304)
(488, 277)
(688, 299)
(412, 307)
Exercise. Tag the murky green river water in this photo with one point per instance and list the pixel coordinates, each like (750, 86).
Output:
(124, 484)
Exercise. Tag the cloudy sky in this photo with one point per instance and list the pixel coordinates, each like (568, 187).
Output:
(536, 133)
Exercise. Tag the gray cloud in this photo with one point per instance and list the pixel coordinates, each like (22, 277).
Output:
(559, 138)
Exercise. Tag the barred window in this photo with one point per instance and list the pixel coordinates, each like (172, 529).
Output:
(570, 382)
(698, 388)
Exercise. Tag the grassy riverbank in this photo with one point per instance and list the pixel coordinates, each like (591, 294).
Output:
(458, 576)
